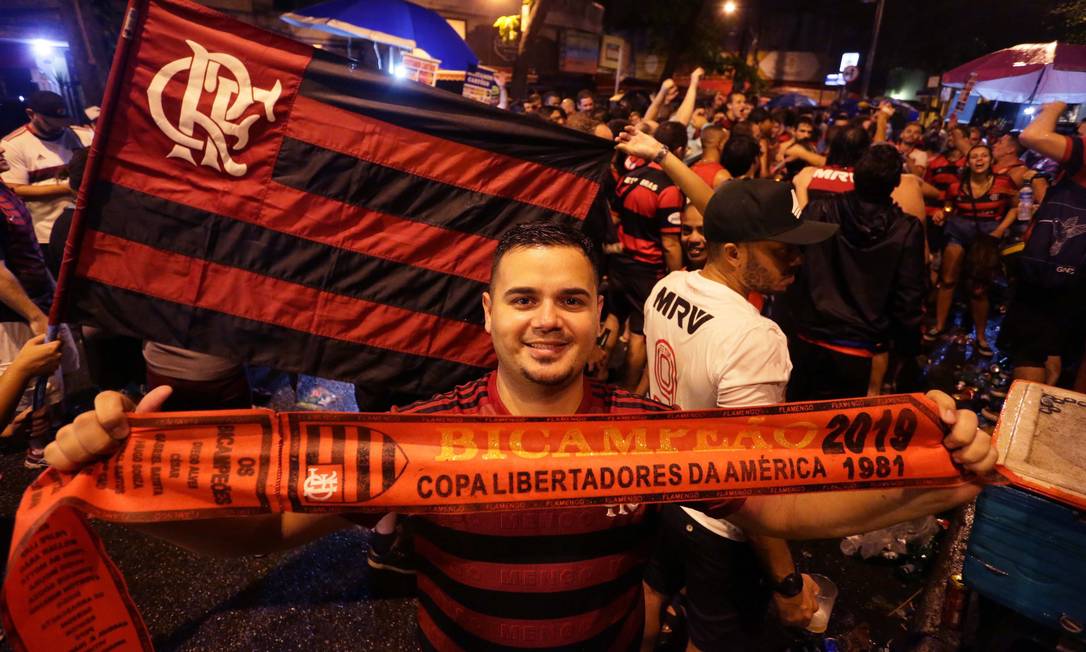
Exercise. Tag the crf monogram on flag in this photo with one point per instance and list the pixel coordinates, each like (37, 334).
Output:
(251, 197)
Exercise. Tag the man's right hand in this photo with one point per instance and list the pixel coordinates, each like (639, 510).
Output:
(99, 432)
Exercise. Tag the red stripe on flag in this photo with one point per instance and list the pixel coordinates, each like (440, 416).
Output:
(191, 281)
(440, 160)
(334, 223)
(377, 234)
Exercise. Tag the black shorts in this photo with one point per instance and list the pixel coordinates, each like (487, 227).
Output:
(1042, 323)
(726, 599)
(629, 284)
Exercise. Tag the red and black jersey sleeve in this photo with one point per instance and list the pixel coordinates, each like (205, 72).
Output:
(668, 210)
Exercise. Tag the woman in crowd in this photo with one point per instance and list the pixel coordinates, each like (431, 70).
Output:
(982, 207)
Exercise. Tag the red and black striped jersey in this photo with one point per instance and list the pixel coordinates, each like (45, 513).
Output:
(830, 180)
(993, 205)
(707, 170)
(941, 173)
(648, 206)
(540, 579)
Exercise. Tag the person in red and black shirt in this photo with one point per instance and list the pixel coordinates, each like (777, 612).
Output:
(558, 579)
(1043, 325)
(648, 207)
(983, 206)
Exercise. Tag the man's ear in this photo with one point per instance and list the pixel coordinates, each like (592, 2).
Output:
(486, 311)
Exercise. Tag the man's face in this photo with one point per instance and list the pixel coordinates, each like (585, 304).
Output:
(974, 136)
(737, 107)
(1004, 147)
(543, 314)
(769, 267)
(557, 117)
(745, 110)
(692, 237)
(45, 125)
(530, 106)
(804, 131)
(586, 104)
(911, 134)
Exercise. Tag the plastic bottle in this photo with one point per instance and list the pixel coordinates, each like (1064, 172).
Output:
(1025, 204)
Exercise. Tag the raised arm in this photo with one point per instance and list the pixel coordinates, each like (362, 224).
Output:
(685, 111)
(638, 143)
(1040, 135)
(666, 89)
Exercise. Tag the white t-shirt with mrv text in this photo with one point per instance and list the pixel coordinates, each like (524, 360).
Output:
(709, 347)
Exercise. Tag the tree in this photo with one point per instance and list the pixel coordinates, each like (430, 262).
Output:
(1072, 16)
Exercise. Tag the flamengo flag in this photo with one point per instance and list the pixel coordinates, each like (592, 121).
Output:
(251, 197)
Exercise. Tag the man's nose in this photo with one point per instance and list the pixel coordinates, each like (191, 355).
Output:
(546, 316)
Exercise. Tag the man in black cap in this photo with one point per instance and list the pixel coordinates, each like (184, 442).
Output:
(710, 347)
(38, 153)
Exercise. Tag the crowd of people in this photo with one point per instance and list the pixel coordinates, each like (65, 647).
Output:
(750, 256)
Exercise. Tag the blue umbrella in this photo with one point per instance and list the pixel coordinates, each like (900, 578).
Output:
(392, 22)
(791, 100)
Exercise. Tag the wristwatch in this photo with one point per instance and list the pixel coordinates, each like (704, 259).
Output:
(790, 586)
(661, 155)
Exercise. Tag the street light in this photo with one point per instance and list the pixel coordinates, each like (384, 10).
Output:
(730, 7)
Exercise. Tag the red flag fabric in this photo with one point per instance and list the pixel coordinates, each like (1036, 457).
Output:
(259, 199)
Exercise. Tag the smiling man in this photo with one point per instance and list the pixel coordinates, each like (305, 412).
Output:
(536, 579)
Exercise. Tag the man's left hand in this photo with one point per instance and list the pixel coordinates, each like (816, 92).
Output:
(798, 609)
(969, 446)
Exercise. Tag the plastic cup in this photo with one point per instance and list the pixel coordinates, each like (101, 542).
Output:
(827, 595)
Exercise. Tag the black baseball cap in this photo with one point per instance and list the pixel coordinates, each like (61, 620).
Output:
(48, 104)
(748, 210)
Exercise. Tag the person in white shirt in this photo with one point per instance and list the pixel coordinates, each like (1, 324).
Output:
(710, 347)
(38, 154)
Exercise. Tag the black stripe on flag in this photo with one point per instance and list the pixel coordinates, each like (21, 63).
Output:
(202, 234)
(313, 169)
(260, 343)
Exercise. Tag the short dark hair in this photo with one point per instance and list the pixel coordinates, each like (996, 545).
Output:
(583, 93)
(847, 145)
(739, 155)
(732, 95)
(543, 234)
(805, 120)
(877, 173)
(758, 115)
(671, 134)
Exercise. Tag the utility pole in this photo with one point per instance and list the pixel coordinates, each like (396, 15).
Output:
(869, 65)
